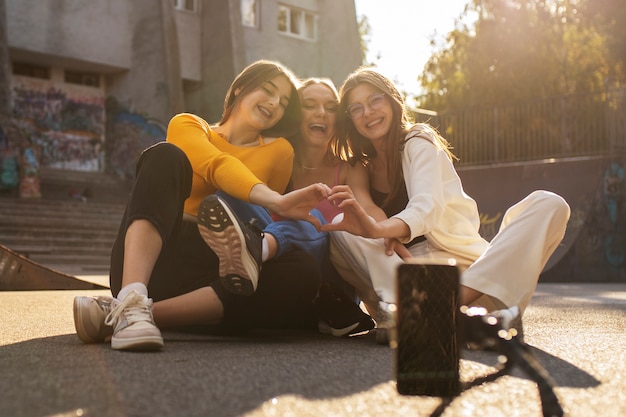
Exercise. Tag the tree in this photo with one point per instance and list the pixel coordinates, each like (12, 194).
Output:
(516, 50)
(608, 17)
(364, 35)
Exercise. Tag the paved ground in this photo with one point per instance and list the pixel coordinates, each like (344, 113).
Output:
(577, 332)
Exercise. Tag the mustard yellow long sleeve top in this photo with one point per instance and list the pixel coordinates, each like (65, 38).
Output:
(218, 165)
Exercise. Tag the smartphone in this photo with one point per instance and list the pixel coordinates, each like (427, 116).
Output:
(427, 345)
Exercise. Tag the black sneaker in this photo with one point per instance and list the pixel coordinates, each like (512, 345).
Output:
(236, 244)
(339, 315)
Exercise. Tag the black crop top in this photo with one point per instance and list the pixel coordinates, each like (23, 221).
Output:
(395, 206)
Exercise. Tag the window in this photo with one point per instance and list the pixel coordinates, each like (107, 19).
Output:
(250, 13)
(83, 78)
(31, 70)
(188, 5)
(297, 22)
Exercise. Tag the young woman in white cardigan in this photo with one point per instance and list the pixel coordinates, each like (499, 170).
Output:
(430, 217)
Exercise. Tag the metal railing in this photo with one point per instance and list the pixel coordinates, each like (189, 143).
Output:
(560, 127)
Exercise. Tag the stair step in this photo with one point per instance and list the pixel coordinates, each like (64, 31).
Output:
(97, 269)
(70, 259)
(59, 204)
(49, 235)
(67, 221)
(56, 184)
(61, 176)
(70, 239)
(28, 250)
(61, 232)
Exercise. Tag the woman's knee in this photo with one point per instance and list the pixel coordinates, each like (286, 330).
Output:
(165, 166)
(549, 202)
(164, 154)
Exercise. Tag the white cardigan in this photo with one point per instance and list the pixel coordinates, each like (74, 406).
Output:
(438, 207)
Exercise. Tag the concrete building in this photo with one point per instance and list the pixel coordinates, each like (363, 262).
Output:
(93, 82)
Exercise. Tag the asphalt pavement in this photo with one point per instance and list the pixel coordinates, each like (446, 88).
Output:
(577, 332)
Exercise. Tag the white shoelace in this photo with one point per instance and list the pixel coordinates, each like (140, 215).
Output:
(135, 307)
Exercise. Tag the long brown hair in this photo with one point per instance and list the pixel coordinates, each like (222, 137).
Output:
(360, 149)
(253, 77)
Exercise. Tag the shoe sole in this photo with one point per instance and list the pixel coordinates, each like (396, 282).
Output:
(145, 343)
(325, 328)
(81, 331)
(239, 273)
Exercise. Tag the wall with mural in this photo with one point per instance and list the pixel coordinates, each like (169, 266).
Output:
(73, 127)
(594, 246)
(65, 122)
(128, 134)
(598, 252)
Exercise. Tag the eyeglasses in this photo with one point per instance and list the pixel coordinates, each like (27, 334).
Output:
(374, 102)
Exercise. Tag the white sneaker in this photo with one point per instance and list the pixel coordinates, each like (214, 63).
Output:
(133, 324)
(89, 318)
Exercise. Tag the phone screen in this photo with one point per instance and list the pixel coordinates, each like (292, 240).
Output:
(427, 351)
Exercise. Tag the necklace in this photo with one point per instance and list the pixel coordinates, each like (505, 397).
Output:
(305, 167)
(309, 168)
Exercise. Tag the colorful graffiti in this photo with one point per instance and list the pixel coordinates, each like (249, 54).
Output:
(64, 122)
(67, 124)
(489, 226)
(594, 246)
(128, 134)
(613, 193)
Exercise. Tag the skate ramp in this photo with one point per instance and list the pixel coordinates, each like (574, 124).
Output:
(18, 273)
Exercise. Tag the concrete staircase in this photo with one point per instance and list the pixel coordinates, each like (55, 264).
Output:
(60, 231)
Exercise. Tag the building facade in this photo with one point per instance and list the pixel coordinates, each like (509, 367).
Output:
(92, 83)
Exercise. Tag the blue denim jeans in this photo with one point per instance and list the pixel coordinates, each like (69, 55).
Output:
(291, 235)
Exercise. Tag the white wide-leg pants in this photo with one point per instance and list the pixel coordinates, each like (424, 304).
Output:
(506, 273)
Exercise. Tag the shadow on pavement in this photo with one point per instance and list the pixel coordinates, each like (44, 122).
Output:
(200, 374)
(562, 372)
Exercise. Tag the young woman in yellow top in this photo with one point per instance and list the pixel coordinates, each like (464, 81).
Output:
(160, 251)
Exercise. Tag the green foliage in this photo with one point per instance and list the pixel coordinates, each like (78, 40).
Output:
(364, 33)
(526, 49)
(608, 18)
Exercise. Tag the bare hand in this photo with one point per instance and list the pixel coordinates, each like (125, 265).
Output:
(340, 193)
(394, 246)
(355, 220)
(298, 204)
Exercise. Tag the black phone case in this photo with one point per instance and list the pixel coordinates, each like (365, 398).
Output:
(427, 351)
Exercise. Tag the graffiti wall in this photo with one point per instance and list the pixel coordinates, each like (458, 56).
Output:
(74, 127)
(65, 122)
(128, 134)
(594, 246)
(598, 253)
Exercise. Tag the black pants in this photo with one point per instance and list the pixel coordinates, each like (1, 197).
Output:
(287, 284)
